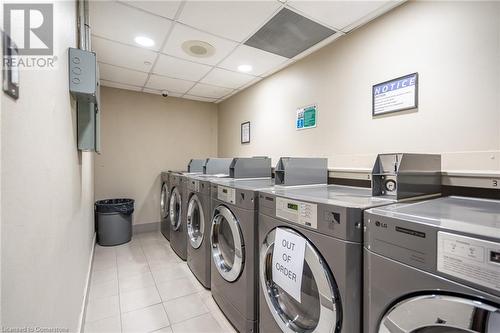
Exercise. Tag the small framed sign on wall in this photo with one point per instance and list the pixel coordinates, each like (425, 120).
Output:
(245, 132)
(395, 95)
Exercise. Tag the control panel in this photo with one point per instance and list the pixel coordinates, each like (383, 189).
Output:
(226, 194)
(194, 185)
(299, 212)
(470, 259)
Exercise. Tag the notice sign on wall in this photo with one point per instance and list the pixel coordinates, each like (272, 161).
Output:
(306, 117)
(395, 95)
(288, 261)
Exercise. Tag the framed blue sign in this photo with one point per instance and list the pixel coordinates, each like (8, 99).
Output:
(396, 95)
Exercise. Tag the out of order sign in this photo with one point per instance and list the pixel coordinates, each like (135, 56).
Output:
(288, 262)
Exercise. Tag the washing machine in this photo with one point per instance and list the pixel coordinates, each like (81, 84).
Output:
(233, 239)
(164, 201)
(318, 288)
(199, 210)
(433, 266)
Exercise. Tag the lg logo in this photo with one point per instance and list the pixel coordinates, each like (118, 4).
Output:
(381, 224)
(31, 27)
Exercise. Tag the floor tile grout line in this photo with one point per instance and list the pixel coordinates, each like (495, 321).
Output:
(156, 286)
(119, 296)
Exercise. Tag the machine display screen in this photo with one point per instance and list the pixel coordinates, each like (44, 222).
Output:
(293, 206)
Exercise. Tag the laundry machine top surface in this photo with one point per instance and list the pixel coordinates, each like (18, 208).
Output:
(245, 184)
(338, 195)
(468, 215)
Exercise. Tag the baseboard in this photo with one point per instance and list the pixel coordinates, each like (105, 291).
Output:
(145, 227)
(83, 312)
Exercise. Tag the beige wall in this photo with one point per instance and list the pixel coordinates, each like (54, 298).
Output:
(47, 195)
(143, 134)
(455, 48)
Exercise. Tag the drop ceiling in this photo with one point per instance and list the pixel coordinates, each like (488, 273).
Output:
(229, 26)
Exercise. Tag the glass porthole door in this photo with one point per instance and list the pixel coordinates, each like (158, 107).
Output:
(164, 201)
(195, 222)
(227, 244)
(319, 310)
(175, 209)
(441, 314)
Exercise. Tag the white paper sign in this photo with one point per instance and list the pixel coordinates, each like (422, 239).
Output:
(288, 261)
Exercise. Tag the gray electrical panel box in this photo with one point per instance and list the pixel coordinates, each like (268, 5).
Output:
(84, 86)
(83, 75)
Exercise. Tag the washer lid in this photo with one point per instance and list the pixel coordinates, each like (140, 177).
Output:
(440, 314)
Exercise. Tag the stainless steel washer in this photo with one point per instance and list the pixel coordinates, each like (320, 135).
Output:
(199, 210)
(164, 205)
(234, 269)
(177, 208)
(328, 220)
(433, 266)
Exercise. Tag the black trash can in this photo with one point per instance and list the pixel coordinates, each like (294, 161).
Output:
(114, 221)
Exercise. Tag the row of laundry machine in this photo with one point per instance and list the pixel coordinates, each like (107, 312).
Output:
(283, 251)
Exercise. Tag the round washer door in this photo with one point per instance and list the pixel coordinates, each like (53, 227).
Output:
(175, 209)
(319, 310)
(164, 201)
(228, 250)
(195, 222)
(441, 314)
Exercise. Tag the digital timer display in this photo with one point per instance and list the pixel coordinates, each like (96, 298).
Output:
(293, 206)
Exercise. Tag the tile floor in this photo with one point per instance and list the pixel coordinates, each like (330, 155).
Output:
(143, 286)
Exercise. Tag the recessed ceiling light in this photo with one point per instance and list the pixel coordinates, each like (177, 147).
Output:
(245, 68)
(144, 41)
(198, 48)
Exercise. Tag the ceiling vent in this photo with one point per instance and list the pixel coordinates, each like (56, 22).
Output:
(288, 34)
(198, 48)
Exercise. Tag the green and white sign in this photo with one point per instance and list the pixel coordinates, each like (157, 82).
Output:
(307, 117)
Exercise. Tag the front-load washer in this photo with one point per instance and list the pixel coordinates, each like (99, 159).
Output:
(177, 208)
(433, 266)
(233, 236)
(198, 218)
(318, 287)
(164, 202)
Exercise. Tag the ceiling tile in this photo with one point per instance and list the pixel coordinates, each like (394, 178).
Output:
(206, 90)
(158, 92)
(166, 9)
(261, 61)
(123, 55)
(122, 23)
(243, 17)
(182, 33)
(224, 78)
(336, 14)
(169, 84)
(181, 69)
(288, 34)
(119, 85)
(121, 75)
(201, 99)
